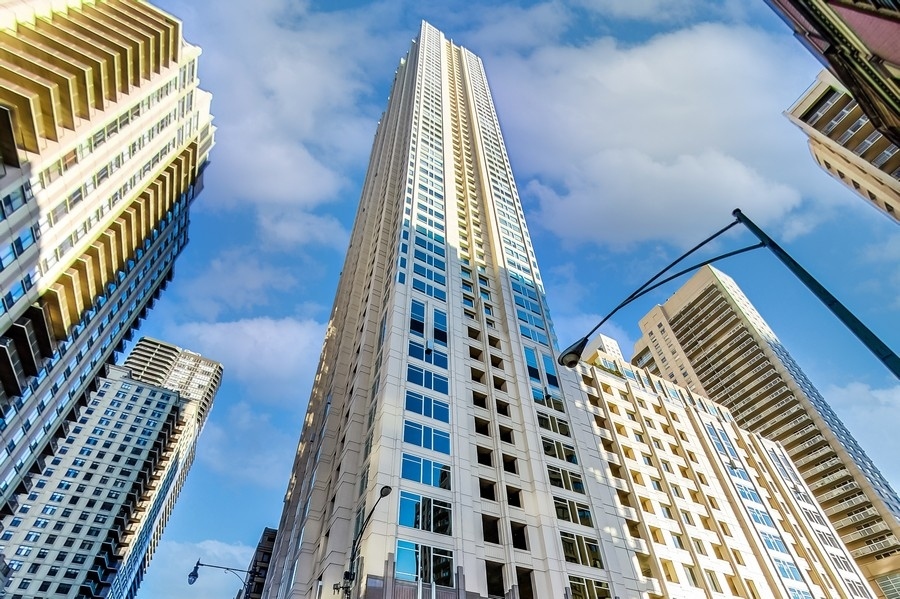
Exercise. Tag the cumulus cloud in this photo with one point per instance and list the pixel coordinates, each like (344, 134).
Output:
(275, 357)
(237, 279)
(293, 103)
(657, 141)
(666, 11)
(871, 413)
(282, 228)
(249, 445)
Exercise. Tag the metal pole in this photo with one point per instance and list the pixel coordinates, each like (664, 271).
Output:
(862, 332)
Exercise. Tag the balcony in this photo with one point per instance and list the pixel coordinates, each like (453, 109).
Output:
(618, 483)
(636, 544)
(856, 518)
(846, 505)
(868, 531)
(651, 586)
(808, 458)
(629, 513)
(887, 543)
(830, 479)
(842, 490)
(821, 467)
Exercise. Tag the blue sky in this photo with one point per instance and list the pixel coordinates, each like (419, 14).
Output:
(634, 128)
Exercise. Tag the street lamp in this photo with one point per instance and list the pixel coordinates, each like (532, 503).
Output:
(350, 575)
(572, 354)
(246, 582)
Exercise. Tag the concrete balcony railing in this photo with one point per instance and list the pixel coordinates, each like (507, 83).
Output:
(830, 479)
(629, 513)
(636, 544)
(868, 531)
(821, 467)
(846, 505)
(842, 490)
(855, 518)
(812, 457)
(651, 586)
(890, 541)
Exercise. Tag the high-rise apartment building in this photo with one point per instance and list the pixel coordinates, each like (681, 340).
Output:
(857, 41)
(710, 507)
(709, 338)
(846, 144)
(103, 137)
(438, 385)
(258, 567)
(93, 516)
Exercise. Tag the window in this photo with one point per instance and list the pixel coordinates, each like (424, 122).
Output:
(420, 562)
(788, 569)
(417, 319)
(748, 493)
(585, 588)
(760, 517)
(564, 479)
(554, 424)
(559, 450)
(425, 513)
(581, 550)
(425, 471)
(426, 378)
(426, 406)
(427, 437)
(571, 511)
(774, 542)
(427, 355)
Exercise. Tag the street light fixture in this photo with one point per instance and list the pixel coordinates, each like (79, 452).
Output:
(572, 354)
(246, 582)
(350, 575)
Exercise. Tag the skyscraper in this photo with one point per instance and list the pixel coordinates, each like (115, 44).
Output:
(104, 135)
(709, 338)
(857, 41)
(443, 452)
(846, 144)
(92, 518)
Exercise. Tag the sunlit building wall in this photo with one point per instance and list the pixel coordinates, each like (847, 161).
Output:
(710, 507)
(103, 137)
(857, 41)
(438, 379)
(91, 522)
(709, 338)
(846, 144)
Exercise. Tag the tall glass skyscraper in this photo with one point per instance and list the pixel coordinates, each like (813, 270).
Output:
(439, 411)
(104, 134)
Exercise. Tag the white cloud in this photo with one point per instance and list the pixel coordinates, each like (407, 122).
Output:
(176, 559)
(277, 358)
(281, 228)
(246, 445)
(871, 414)
(624, 196)
(293, 105)
(657, 141)
(237, 279)
(653, 10)
(512, 27)
(667, 11)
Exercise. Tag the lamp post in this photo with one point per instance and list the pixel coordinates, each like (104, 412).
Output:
(572, 354)
(246, 581)
(350, 575)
